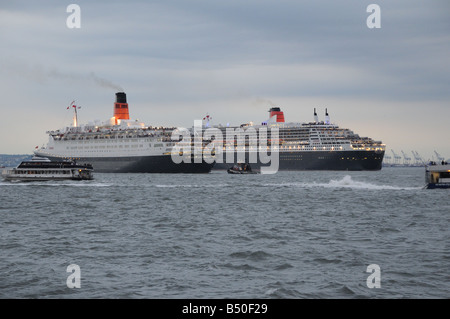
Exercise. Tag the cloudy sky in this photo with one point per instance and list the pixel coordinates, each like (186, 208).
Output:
(178, 60)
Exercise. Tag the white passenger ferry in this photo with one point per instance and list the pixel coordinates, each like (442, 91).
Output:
(42, 169)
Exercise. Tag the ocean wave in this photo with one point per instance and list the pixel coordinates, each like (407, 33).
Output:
(282, 292)
(345, 182)
(348, 182)
(190, 185)
(240, 266)
(252, 255)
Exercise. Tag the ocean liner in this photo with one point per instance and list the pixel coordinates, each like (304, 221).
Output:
(317, 145)
(119, 145)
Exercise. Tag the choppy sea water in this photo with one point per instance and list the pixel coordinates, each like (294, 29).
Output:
(288, 235)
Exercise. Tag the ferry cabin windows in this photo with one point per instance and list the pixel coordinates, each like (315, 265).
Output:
(43, 172)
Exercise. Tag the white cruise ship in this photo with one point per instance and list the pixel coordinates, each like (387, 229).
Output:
(119, 145)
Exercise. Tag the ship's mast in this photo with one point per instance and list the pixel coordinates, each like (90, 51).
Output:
(75, 117)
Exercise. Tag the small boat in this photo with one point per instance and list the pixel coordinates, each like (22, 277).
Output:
(241, 168)
(437, 175)
(42, 169)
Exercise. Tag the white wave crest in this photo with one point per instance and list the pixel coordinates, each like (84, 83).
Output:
(345, 182)
(348, 182)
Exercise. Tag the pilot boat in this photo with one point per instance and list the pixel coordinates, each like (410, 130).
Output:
(241, 168)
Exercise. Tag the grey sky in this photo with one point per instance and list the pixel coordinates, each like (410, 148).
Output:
(178, 60)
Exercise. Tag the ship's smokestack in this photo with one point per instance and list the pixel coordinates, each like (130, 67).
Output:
(121, 107)
(316, 118)
(276, 111)
(327, 117)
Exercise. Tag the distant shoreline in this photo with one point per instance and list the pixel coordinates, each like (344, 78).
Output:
(12, 160)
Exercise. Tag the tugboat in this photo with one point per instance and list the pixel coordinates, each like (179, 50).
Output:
(42, 169)
(241, 168)
(437, 175)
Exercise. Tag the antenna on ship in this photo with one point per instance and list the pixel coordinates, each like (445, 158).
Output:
(327, 117)
(207, 118)
(316, 119)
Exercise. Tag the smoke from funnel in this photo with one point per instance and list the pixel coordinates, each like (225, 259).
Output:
(262, 101)
(39, 73)
(76, 77)
(105, 83)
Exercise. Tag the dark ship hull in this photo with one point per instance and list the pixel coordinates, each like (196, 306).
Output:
(321, 160)
(141, 164)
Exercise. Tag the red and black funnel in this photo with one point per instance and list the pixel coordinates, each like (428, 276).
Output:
(121, 107)
(276, 111)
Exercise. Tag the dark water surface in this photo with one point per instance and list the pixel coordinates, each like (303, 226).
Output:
(288, 235)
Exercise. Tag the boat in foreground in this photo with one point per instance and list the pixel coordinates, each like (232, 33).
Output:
(241, 168)
(42, 169)
(437, 175)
